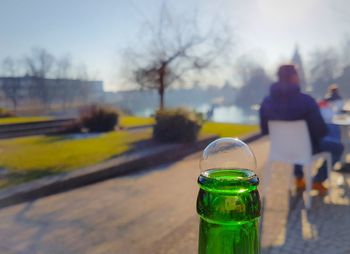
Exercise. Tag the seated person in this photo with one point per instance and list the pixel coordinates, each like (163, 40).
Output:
(334, 99)
(287, 103)
(328, 115)
(326, 110)
(333, 93)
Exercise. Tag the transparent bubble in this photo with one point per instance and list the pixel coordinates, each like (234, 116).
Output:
(227, 153)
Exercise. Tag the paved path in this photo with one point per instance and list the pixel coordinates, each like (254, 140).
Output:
(154, 212)
(324, 229)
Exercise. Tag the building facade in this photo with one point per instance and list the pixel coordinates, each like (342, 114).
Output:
(21, 90)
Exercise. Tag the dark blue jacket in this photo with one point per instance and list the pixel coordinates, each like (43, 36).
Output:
(287, 103)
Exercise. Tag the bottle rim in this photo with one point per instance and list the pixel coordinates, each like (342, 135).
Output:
(246, 180)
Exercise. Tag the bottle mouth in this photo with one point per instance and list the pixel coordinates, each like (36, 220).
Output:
(228, 179)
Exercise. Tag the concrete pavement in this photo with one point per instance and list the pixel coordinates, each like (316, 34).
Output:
(154, 212)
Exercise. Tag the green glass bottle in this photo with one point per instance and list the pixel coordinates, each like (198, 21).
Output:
(228, 201)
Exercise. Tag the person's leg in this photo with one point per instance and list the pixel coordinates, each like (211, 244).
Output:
(298, 171)
(333, 146)
(333, 132)
(299, 177)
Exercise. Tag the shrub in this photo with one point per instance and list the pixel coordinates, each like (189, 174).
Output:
(99, 119)
(176, 125)
(73, 127)
(5, 113)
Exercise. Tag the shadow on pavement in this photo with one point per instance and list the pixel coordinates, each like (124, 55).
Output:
(323, 229)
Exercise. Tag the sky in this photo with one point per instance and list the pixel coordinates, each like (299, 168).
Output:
(95, 32)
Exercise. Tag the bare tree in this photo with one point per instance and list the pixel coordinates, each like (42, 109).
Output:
(63, 68)
(344, 51)
(175, 51)
(39, 66)
(11, 84)
(343, 79)
(40, 63)
(73, 80)
(325, 67)
(11, 87)
(84, 86)
(9, 68)
(63, 75)
(255, 82)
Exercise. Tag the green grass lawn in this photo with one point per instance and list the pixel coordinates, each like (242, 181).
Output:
(228, 129)
(12, 120)
(33, 157)
(125, 121)
(209, 128)
(134, 121)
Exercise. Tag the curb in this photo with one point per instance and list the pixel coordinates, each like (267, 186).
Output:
(16, 130)
(114, 167)
(138, 127)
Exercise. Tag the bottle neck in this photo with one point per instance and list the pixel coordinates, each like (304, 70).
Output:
(229, 208)
(228, 196)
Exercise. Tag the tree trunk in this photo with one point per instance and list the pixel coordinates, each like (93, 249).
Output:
(15, 106)
(161, 99)
(161, 91)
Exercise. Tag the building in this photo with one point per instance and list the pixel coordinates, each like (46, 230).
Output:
(22, 90)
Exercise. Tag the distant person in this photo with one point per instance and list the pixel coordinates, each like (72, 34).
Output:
(333, 94)
(287, 103)
(331, 105)
(210, 112)
(326, 111)
(334, 99)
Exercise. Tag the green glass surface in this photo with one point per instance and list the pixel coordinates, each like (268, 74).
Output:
(228, 204)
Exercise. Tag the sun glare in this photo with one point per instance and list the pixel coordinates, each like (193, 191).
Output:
(276, 11)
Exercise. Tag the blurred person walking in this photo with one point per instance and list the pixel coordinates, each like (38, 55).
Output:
(287, 103)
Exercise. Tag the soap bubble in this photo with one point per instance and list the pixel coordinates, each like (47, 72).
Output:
(227, 153)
